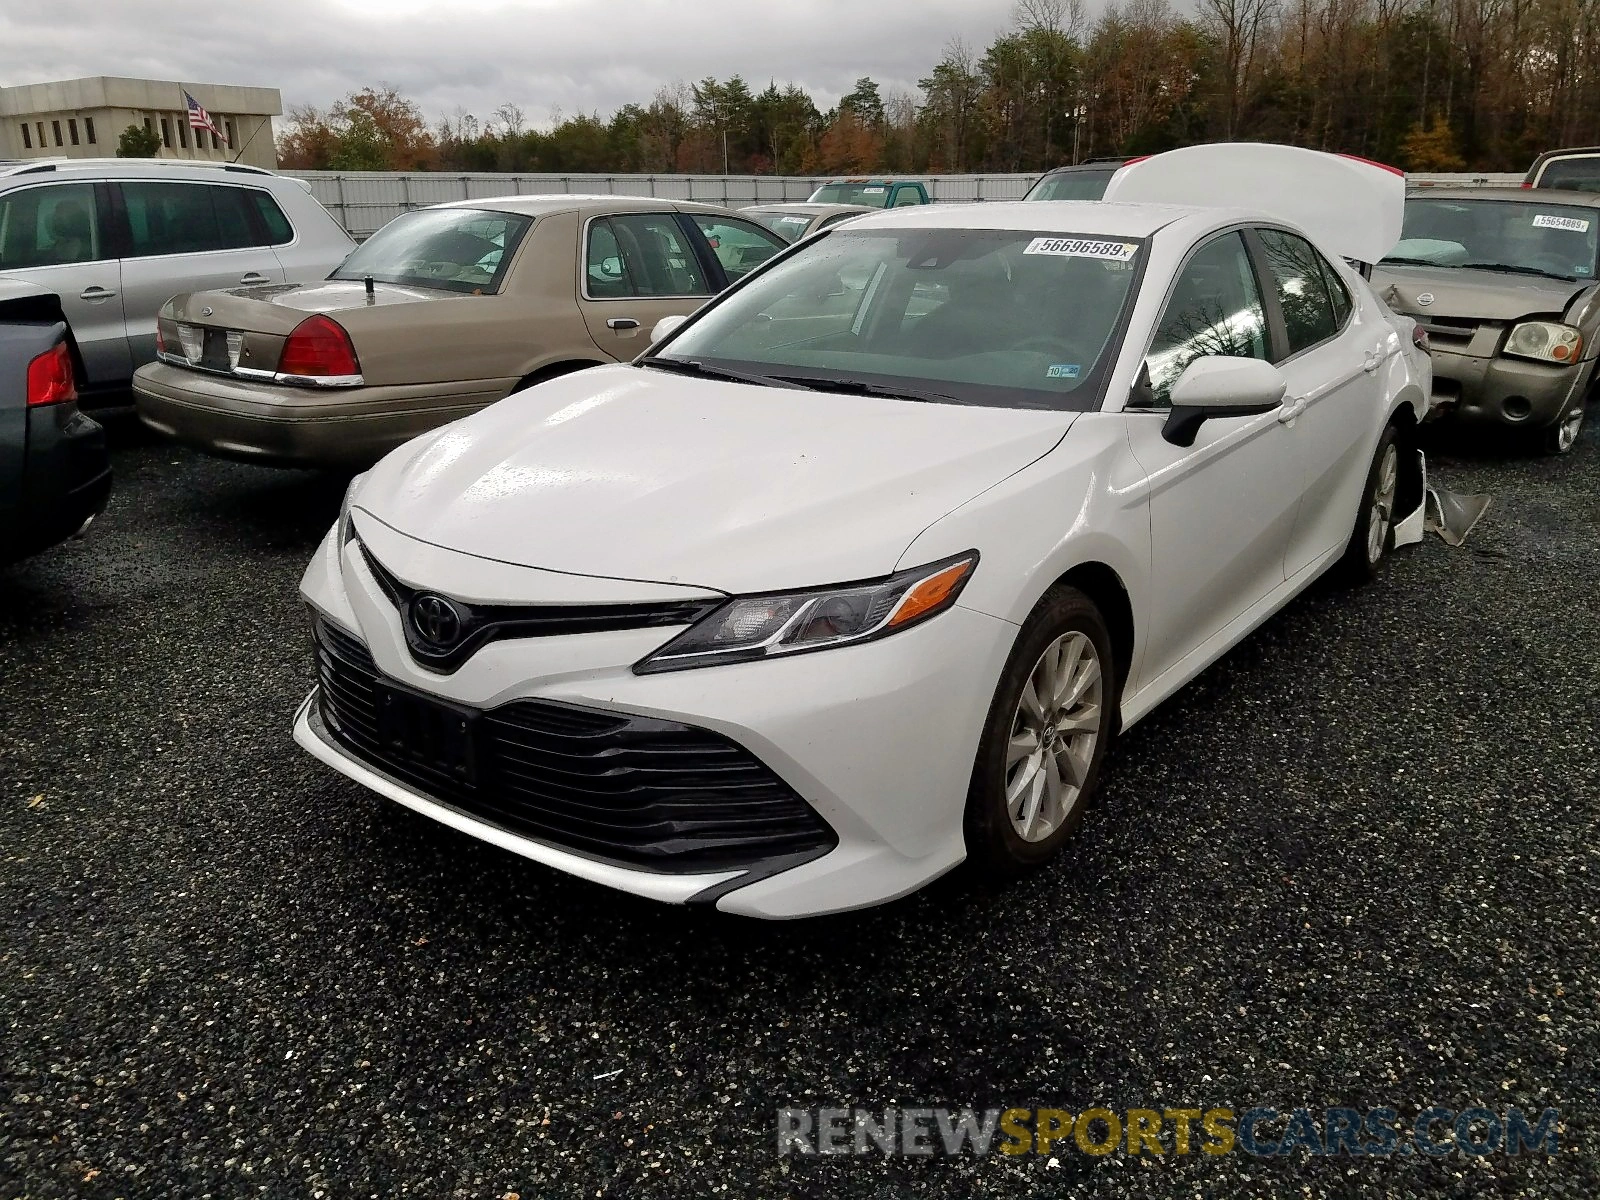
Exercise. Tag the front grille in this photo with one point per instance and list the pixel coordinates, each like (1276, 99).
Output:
(630, 790)
(1452, 329)
(483, 623)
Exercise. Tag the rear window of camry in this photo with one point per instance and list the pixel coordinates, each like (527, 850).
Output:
(454, 249)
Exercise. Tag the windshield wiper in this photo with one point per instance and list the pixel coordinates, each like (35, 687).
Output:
(1410, 262)
(1518, 269)
(863, 388)
(689, 366)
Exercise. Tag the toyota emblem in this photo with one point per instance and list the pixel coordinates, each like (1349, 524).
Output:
(436, 620)
(1424, 298)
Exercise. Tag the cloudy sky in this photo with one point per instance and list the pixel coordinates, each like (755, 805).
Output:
(473, 55)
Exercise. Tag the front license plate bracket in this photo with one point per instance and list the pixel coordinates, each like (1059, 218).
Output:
(424, 733)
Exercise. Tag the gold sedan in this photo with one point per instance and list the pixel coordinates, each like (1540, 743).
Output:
(439, 313)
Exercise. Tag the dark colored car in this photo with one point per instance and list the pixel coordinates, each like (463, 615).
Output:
(55, 474)
(1504, 280)
(1576, 169)
(1083, 181)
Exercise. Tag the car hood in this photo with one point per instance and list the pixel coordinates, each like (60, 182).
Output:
(1480, 295)
(631, 473)
(279, 307)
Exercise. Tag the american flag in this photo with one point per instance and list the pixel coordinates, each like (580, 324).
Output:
(199, 118)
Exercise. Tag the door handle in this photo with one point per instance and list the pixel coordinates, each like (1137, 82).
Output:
(254, 277)
(621, 323)
(1292, 409)
(95, 293)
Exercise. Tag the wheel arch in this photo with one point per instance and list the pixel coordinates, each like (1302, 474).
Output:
(1407, 431)
(551, 370)
(1101, 583)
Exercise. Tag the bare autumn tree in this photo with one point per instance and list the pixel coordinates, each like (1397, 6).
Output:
(1240, 26)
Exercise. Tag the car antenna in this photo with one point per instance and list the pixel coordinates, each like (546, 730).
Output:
(367, 279)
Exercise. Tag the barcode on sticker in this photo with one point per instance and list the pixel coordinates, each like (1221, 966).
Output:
(1574, 224)
(1082, 248)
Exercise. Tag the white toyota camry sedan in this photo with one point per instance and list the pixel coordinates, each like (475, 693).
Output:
(855, 573)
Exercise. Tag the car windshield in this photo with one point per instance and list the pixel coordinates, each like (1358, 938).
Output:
(970, 316)
(873, 195)
(457, 249)
(1515, 236)
(1072, 185)
(789, 226)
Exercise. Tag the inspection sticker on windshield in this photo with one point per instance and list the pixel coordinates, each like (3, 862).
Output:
(1574, 224)
(1082, 248)
(1062, 371)
(872, 191)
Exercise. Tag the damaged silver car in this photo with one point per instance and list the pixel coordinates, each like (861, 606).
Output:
(1504, 282)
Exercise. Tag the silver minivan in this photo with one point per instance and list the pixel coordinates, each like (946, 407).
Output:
(115, 239)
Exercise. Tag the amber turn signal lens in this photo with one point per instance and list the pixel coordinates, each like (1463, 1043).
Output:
(930, 594)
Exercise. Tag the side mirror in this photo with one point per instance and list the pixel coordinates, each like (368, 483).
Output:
(665, 327)
(1215, 386)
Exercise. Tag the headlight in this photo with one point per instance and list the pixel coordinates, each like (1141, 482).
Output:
(1547, 341)
(347, 529)
(752, 627)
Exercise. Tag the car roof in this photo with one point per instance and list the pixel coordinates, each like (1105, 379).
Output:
(1059, 216)
(1089, 164)
(558, 202)
(1565, 150)
(155, 168)
(884, 179)
(1520, 195)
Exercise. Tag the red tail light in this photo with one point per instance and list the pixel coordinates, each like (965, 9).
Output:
(319, 348)
(50, 377)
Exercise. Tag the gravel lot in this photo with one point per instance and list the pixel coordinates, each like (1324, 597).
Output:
(1354, 863)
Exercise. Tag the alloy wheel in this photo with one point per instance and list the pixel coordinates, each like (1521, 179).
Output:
(1383, 503)
(1054, 732)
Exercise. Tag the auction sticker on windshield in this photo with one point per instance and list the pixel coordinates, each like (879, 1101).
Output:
(1082, 248)
(1574, 224)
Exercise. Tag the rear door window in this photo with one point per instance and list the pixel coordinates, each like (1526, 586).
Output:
(643, 254)
(1297, 275)
(186, 218)
(1337, 292)
(50, 226)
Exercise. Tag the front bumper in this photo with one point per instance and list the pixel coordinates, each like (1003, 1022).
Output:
(878, 739)
(66, 478)
(285, 426)
(1506, 391)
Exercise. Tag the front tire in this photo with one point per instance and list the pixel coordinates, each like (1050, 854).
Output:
(1373, 535)
(1044, 739)
(1561, 437)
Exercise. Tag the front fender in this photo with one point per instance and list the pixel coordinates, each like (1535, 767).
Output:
(1086, 501)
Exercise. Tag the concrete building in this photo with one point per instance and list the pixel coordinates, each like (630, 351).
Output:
(83, 118)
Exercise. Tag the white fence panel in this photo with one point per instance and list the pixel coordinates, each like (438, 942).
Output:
(365, 201)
